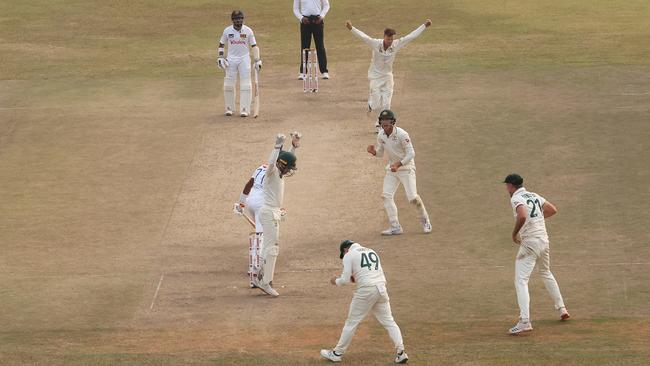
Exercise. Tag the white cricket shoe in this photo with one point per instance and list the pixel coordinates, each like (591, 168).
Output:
(243, 114)
(301, 76)
(564, 315)
(330, 355)
(426, 226)
(402, 357)
(266, 288)
(326, 75)
(229, 113)
(522, 326)
(393, 230)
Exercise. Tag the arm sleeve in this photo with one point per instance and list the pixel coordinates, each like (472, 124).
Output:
(272, 159)
(326, 8)
(516, 201)
(409, 37)
(364, 37)
(408, 147)
(296, 9)
(224, 38)
(251, 39)
(347, 271)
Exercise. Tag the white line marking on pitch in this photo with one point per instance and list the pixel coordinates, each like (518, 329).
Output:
(155, 295)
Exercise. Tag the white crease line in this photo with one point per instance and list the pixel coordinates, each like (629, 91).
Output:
(155, 295)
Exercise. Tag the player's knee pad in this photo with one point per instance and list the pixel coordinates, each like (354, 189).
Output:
(245, 84)
(228, 83)
(274, 251)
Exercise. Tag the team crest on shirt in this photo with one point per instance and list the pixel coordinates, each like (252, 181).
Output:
(230, 35)
(242, 36)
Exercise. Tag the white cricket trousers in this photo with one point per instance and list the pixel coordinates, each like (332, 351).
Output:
(364, 300)
(270, 218)
(254, 204)
(241, 66)
(381, 93)
(392, 180)
(531, 250)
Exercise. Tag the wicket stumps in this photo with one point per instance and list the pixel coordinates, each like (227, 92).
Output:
(254, 251)
(310, 70)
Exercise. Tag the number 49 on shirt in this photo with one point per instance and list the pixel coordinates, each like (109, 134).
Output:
(367, 260)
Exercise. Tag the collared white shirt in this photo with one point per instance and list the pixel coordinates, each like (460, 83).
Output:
(364, 264)
(535, 225)
(256, 195)
(238, 41)
(381, 64)
(305, 8)
(398, 146)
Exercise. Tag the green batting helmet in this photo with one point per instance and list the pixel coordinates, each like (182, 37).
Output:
(288, 159)
(387, 114)
(344, 245)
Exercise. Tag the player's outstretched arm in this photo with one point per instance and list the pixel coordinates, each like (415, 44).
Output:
(273, 158)
(364, 37)
(295, 141)
(413, 35)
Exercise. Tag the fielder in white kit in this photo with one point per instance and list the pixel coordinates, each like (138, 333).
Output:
(530, 211)
(380, 72)
(400, 169)
(252, 198)
(281, 164)
(363, 266)
(238, 62)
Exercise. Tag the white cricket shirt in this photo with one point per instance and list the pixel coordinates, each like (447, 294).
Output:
(364, 264)
(310, 7)
(535, 226)
(238, 41)
(381, 64)
(398, 146)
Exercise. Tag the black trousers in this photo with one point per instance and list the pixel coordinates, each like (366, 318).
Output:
(306, 31)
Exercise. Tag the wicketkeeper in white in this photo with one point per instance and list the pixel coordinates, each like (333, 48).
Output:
(400, 169)
(251, 200)
(530, 211)
(380, 72)
(238, 37)
(363, 266)
(281, 164)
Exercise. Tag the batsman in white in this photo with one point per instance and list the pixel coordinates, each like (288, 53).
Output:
(400, 169)
(252, 197)
(363, 266)
(238, 37)
(530, 211)
(281, 164)
(380, 72)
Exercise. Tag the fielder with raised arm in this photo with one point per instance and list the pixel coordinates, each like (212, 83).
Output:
(380, 72)
(251, 200)
(238, 62)
(530, 211)
(281, 164)
(362, 265)
(400, 169)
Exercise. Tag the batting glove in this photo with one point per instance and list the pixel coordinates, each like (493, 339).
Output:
(222, 63)
(238, 209)
(258, 65)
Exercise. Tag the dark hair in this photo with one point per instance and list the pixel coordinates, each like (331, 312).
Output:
(389, 32)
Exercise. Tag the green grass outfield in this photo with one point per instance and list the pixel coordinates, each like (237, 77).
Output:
(117, 172)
